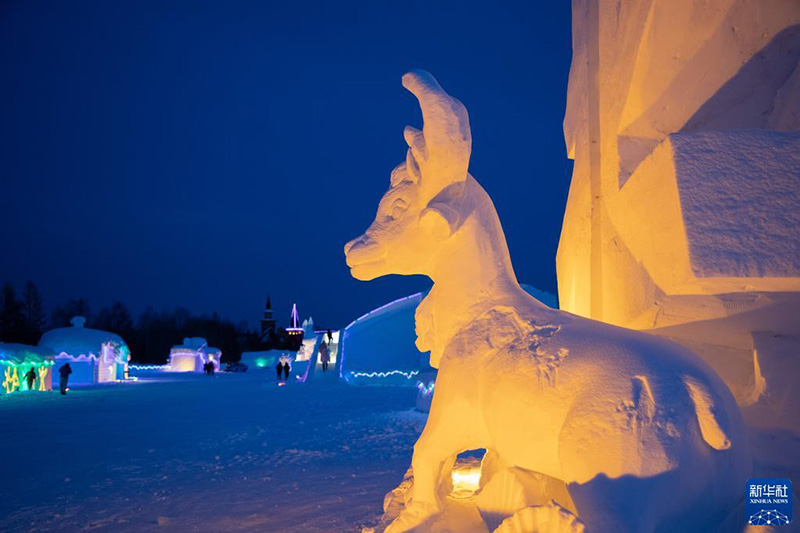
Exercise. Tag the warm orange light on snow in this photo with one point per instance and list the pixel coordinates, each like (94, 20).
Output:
(682, 211)
(548, 395)
(466, 480)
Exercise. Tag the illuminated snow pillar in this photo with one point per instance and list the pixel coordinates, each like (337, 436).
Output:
(626, 430)
(682, 119)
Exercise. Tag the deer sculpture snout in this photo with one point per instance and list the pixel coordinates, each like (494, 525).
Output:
(365, 256)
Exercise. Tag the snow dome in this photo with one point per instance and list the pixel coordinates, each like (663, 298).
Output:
(378, 348)
(95, 356)
(16, 360)
(192, 355)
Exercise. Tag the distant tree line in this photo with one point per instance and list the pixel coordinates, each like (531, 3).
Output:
(21, 320)
(150, 337)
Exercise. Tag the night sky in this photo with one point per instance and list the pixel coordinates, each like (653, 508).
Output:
(205, 154)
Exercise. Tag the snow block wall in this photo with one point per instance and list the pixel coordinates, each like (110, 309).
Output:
(682, 118)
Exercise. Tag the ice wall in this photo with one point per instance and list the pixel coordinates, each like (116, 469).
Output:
(683, 118)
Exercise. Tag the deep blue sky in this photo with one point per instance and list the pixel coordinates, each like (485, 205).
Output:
(205, 154)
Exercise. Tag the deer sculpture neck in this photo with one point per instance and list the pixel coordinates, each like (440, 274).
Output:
(471, 274)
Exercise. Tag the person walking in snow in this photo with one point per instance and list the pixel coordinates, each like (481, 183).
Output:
(63, 377)
(31, 377)
(324, 356)
(286, 370)
(279, 369)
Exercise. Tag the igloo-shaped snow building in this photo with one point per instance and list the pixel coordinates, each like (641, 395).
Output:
(95, 356)
(682, 217)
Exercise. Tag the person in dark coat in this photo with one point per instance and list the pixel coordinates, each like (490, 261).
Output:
(63, 377)
(330, 336)
(279, 369)
(324, 356)
(31, 377)
(286, 370)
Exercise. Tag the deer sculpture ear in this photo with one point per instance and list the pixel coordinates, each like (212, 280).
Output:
(439, 219)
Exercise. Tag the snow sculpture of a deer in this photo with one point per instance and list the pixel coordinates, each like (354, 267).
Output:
(642, 432)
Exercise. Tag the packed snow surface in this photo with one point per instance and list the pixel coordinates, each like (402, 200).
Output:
(232, 452)
(229, 453)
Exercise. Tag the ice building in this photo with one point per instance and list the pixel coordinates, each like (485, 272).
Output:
(379, 348)
(16, 360)
(95, 356)
(192, 355)
(682, 119)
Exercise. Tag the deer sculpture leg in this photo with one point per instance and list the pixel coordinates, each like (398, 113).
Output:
(445, 435)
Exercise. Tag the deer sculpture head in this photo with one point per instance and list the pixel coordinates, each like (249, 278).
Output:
(437, 221)
(415, 216)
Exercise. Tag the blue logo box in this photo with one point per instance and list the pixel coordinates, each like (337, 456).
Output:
(768, 501)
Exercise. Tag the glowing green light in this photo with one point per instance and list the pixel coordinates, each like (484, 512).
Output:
(12, 372)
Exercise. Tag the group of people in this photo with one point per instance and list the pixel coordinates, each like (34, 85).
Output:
(64, 371)
(209, 368)
(282, 369)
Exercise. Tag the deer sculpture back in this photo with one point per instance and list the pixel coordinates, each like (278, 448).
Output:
(640, 432)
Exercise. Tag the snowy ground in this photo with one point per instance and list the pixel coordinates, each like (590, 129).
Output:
(230, 453)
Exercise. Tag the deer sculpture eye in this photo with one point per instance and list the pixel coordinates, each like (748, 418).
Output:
(398, 208)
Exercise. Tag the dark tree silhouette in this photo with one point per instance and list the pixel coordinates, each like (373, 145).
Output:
(150, 338)
(32, 313)
(12, 322)
(116, 319)
(157, 332)
(62, 315)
